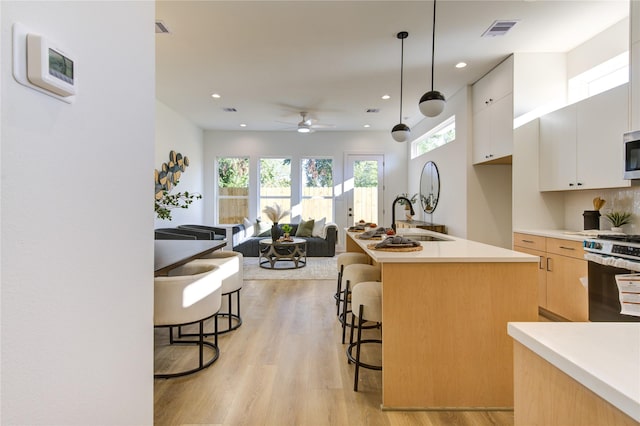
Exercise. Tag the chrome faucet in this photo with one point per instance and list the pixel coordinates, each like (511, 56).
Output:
(393, 210)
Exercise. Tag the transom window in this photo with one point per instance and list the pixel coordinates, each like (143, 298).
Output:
(442, 134)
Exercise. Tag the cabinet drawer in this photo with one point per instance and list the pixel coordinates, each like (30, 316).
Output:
(567, 248)
(529, 241)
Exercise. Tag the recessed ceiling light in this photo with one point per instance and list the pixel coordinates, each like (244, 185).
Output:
(243, 125)
(215, 96)
(367, 126)
(385, 97)
(461, 64)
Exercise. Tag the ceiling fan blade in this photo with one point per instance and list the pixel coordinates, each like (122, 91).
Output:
(323, 126)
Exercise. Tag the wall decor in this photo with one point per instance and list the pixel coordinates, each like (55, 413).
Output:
(166, 179)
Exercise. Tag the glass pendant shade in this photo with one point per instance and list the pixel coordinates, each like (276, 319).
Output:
(432, 103)
(400, 132)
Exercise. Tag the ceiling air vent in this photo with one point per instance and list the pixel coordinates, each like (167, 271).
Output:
(373, 110)
(229, 109)
(499, 28)
(161, 28)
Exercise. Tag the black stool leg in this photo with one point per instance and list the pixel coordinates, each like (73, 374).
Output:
(338, 288)
(344, 309)
(355, 382)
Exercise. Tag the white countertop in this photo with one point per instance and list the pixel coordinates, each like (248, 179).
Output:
(564, 234)
(452, 250)
(604, 357)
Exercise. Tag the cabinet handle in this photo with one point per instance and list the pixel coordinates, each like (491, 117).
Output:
(541, 260)
(567, 248)
(527, 241)
(549, 265)
(579, 183)
(571, 184)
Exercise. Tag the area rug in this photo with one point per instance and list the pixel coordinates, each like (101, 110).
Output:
(318, 268)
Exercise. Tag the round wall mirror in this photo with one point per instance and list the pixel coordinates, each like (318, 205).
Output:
(429, 187)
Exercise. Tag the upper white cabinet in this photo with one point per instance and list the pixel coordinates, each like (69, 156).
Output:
(581, 144)
(635, 64)
(493, 114)
(518, 85)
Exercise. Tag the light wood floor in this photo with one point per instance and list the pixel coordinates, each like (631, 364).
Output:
(286, 366)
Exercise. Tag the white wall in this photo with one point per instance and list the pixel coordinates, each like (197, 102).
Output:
(76, 230)
(532, 209)
(604, 46)
(333, 144)
(452, 160)
(176, 133)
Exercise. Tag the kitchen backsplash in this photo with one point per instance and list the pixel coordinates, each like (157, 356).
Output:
(625, 199)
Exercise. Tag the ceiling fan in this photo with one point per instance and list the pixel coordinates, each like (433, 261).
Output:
(308, 125)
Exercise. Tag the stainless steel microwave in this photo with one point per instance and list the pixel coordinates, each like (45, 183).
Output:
(632, 155)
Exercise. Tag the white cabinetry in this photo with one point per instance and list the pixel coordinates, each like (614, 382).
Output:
(520, 84)
(581, 144)
(493, 114)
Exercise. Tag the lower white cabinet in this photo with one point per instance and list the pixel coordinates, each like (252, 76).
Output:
(581, 144)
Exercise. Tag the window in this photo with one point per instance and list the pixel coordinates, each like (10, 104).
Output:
(444, 133)
(233, 189)
(317, 188)
(602, 77)
(275, 185)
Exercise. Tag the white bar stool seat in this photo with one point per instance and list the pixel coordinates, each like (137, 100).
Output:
(230, 264)
(351, 276)
(191, 295)
(366, 300)
(342, 261)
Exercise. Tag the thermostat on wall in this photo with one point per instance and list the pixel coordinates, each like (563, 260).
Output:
(49, 67)
(41, 65)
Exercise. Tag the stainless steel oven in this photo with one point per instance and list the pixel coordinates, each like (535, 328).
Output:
(632, 155)
(608, 256)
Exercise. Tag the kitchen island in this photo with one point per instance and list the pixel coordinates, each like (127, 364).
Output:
(576, 373)
(445, 311)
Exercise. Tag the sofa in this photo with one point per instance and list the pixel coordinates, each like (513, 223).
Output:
(243, 239)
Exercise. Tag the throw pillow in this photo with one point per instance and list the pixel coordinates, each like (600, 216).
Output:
(305, 228)
(318, 227)
(261, 229)
(248, 227)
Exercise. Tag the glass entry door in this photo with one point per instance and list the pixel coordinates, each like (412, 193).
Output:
(363, 188)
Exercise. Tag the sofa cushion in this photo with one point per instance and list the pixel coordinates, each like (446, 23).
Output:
(318, 228)
(305, 228)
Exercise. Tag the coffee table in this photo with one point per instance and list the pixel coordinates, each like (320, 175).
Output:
(283, 254)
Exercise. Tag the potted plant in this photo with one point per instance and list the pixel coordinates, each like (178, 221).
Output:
(286, 228)
(412, 198)
(618, 219)
(275, 213)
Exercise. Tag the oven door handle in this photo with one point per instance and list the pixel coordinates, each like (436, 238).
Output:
(613, 261)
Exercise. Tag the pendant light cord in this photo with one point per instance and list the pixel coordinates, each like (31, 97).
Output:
(433, 42)
(401, 73)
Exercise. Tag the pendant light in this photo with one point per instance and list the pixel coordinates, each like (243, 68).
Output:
(432, 103)
(401, 132)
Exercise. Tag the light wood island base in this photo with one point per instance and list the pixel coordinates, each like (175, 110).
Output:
(544, 395)
(445, 341)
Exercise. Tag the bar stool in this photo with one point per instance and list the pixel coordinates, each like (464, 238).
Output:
(342, 261)
(351, 276)
(366, 297)
(230, 264)
(192, 295)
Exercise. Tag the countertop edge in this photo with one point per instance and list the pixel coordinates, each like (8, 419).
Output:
(620, 400)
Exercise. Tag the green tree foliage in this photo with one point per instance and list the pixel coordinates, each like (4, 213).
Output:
(365, 174)
(233, 172)
(318, 172)
(275, 172)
